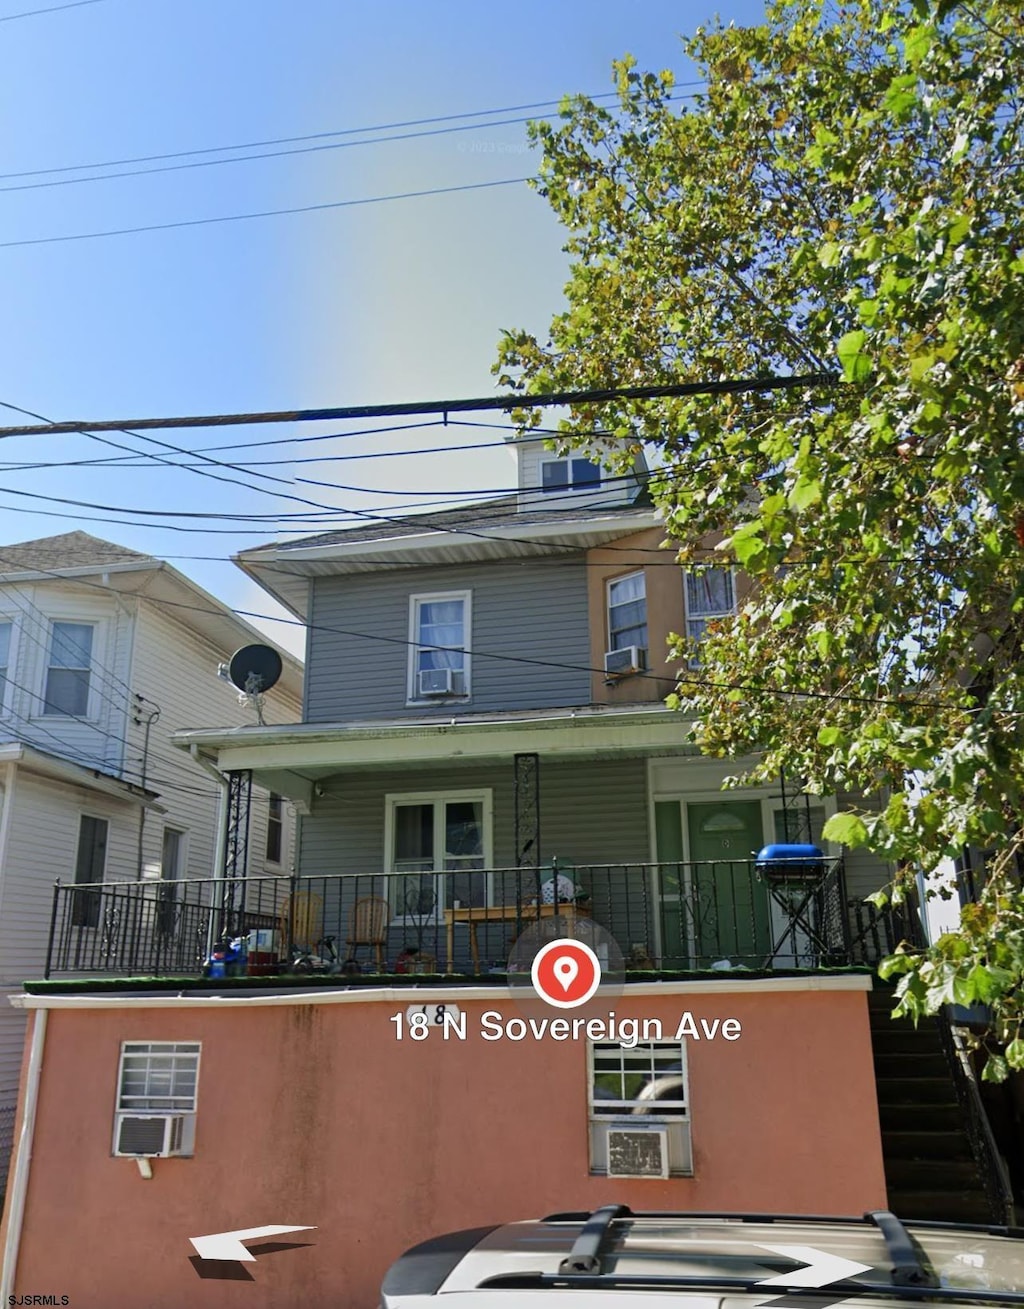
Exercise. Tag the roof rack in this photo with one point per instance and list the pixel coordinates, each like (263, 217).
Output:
(907, 1269)
(584, 1259)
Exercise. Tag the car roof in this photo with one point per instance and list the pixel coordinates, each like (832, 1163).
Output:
(714, 1260)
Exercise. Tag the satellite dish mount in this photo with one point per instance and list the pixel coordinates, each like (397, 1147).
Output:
(255, 669)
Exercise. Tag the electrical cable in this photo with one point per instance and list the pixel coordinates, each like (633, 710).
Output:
(316, 136)
(262, 213)
(52, 9)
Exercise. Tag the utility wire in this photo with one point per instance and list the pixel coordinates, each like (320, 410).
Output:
(543, 400)
(313, 136)
(261, 213)
(31, 13)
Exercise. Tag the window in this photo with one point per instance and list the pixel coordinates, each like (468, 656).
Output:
(439, 663)
(171, 868)
(444, 839)
(636, 1090)
(710, 593)
(67, 674)
(6, 630)
(156, 1080)
(275, 829)
(90, 865)
(627, 612)
(798, 821)
(568, 474)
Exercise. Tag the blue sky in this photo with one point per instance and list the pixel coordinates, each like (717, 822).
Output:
(378, 303)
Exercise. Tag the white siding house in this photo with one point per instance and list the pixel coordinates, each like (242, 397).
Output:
(104, 653)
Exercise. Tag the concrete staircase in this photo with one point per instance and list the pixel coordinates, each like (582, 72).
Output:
(929, 1168)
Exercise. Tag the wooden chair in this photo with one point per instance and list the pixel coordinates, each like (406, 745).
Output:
(301, 919)
(368, 925)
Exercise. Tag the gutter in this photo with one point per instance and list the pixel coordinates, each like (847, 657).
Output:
(18, 1188)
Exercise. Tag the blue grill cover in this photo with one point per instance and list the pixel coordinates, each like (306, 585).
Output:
(787, 861)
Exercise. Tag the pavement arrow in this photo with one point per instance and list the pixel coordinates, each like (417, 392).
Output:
(822, 1268)
(228, 1245)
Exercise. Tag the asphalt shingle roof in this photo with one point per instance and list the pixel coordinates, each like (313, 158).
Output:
(479, 516)
(69, 550)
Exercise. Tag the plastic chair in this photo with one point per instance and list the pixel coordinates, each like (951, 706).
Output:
(368, 925)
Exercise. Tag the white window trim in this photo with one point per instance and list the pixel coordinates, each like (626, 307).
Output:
(485, 795)
(571, 487)
(188, 1144)
(183, 850)
(611, 581)
(682, 1122)
(7, 694)
(98, 818)
(694, 660)
(426, 597)
(97, 662)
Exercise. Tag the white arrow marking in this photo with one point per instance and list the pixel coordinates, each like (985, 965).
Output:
(822, 1268)
(228, 1245)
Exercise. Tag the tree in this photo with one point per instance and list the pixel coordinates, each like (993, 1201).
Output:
(844, 194)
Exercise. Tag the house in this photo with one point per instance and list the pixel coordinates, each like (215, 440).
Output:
(104, 652)
(483, 758)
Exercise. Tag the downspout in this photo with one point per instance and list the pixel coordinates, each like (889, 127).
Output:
(18, 1187)
(154, 714)
(221, 847)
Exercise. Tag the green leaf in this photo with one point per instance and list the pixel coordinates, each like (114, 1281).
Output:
(846, 829)
(995, 1070)
(1015, 1053)
(806, 492)
(856, 364)
(829, 735)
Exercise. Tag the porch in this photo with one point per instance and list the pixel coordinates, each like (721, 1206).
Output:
(666, 918)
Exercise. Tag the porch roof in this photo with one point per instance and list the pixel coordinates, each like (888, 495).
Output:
(291, 758)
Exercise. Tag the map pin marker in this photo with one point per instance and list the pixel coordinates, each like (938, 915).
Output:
(565, 970)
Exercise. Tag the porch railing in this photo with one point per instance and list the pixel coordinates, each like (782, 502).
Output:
(666, 916)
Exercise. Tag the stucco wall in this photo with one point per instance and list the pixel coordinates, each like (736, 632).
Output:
(313, 1113)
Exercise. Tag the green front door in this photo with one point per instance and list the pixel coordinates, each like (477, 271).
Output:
(729, 905)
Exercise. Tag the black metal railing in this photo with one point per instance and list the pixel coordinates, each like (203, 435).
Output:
(677, 916)
(991, 1166)
(875, 933)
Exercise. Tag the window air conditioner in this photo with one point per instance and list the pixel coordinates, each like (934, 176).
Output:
(437, 681)
(633, 1153)
(630, 659)
(157, 1136)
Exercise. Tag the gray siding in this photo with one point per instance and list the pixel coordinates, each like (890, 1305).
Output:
(535, 610)
(591, 813)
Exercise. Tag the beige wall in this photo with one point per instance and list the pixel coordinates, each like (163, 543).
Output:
(665, 612)
(313, 1113)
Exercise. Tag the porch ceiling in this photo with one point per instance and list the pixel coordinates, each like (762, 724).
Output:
(309, 752)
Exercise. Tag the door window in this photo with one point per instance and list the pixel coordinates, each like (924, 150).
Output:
(431, 836)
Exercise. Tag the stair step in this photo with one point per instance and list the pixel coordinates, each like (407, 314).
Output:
(921, 1144)
(897, 1042)
(904, 1117)
(910, 1063)
(935, 1174)
(958, 1207)
(923, 1091)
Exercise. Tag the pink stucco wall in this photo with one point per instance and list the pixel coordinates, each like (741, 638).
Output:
(313, 1113)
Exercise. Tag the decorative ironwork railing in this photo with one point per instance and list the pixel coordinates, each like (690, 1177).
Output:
(678, 916)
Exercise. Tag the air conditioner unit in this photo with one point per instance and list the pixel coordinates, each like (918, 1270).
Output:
(629, 659)
(437, 681)
(636, 1152)
(156, 1136)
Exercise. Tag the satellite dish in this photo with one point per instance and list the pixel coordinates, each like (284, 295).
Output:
(255, 668)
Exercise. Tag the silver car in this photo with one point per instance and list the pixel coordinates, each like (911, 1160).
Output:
(616, 1259)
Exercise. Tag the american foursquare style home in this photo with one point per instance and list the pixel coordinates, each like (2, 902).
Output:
(484, 759)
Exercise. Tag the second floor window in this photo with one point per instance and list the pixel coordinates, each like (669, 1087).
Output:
(5, 658)
(569, 474)
(67, 673)
(627, 612)
(439, 641)
(710, 594)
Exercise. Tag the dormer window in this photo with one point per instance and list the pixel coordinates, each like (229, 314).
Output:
(569, 474)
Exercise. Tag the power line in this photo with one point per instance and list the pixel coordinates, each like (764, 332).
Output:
(544, 400)
(315, 136)
(675, 681)
(31, 13)
(261, 213)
